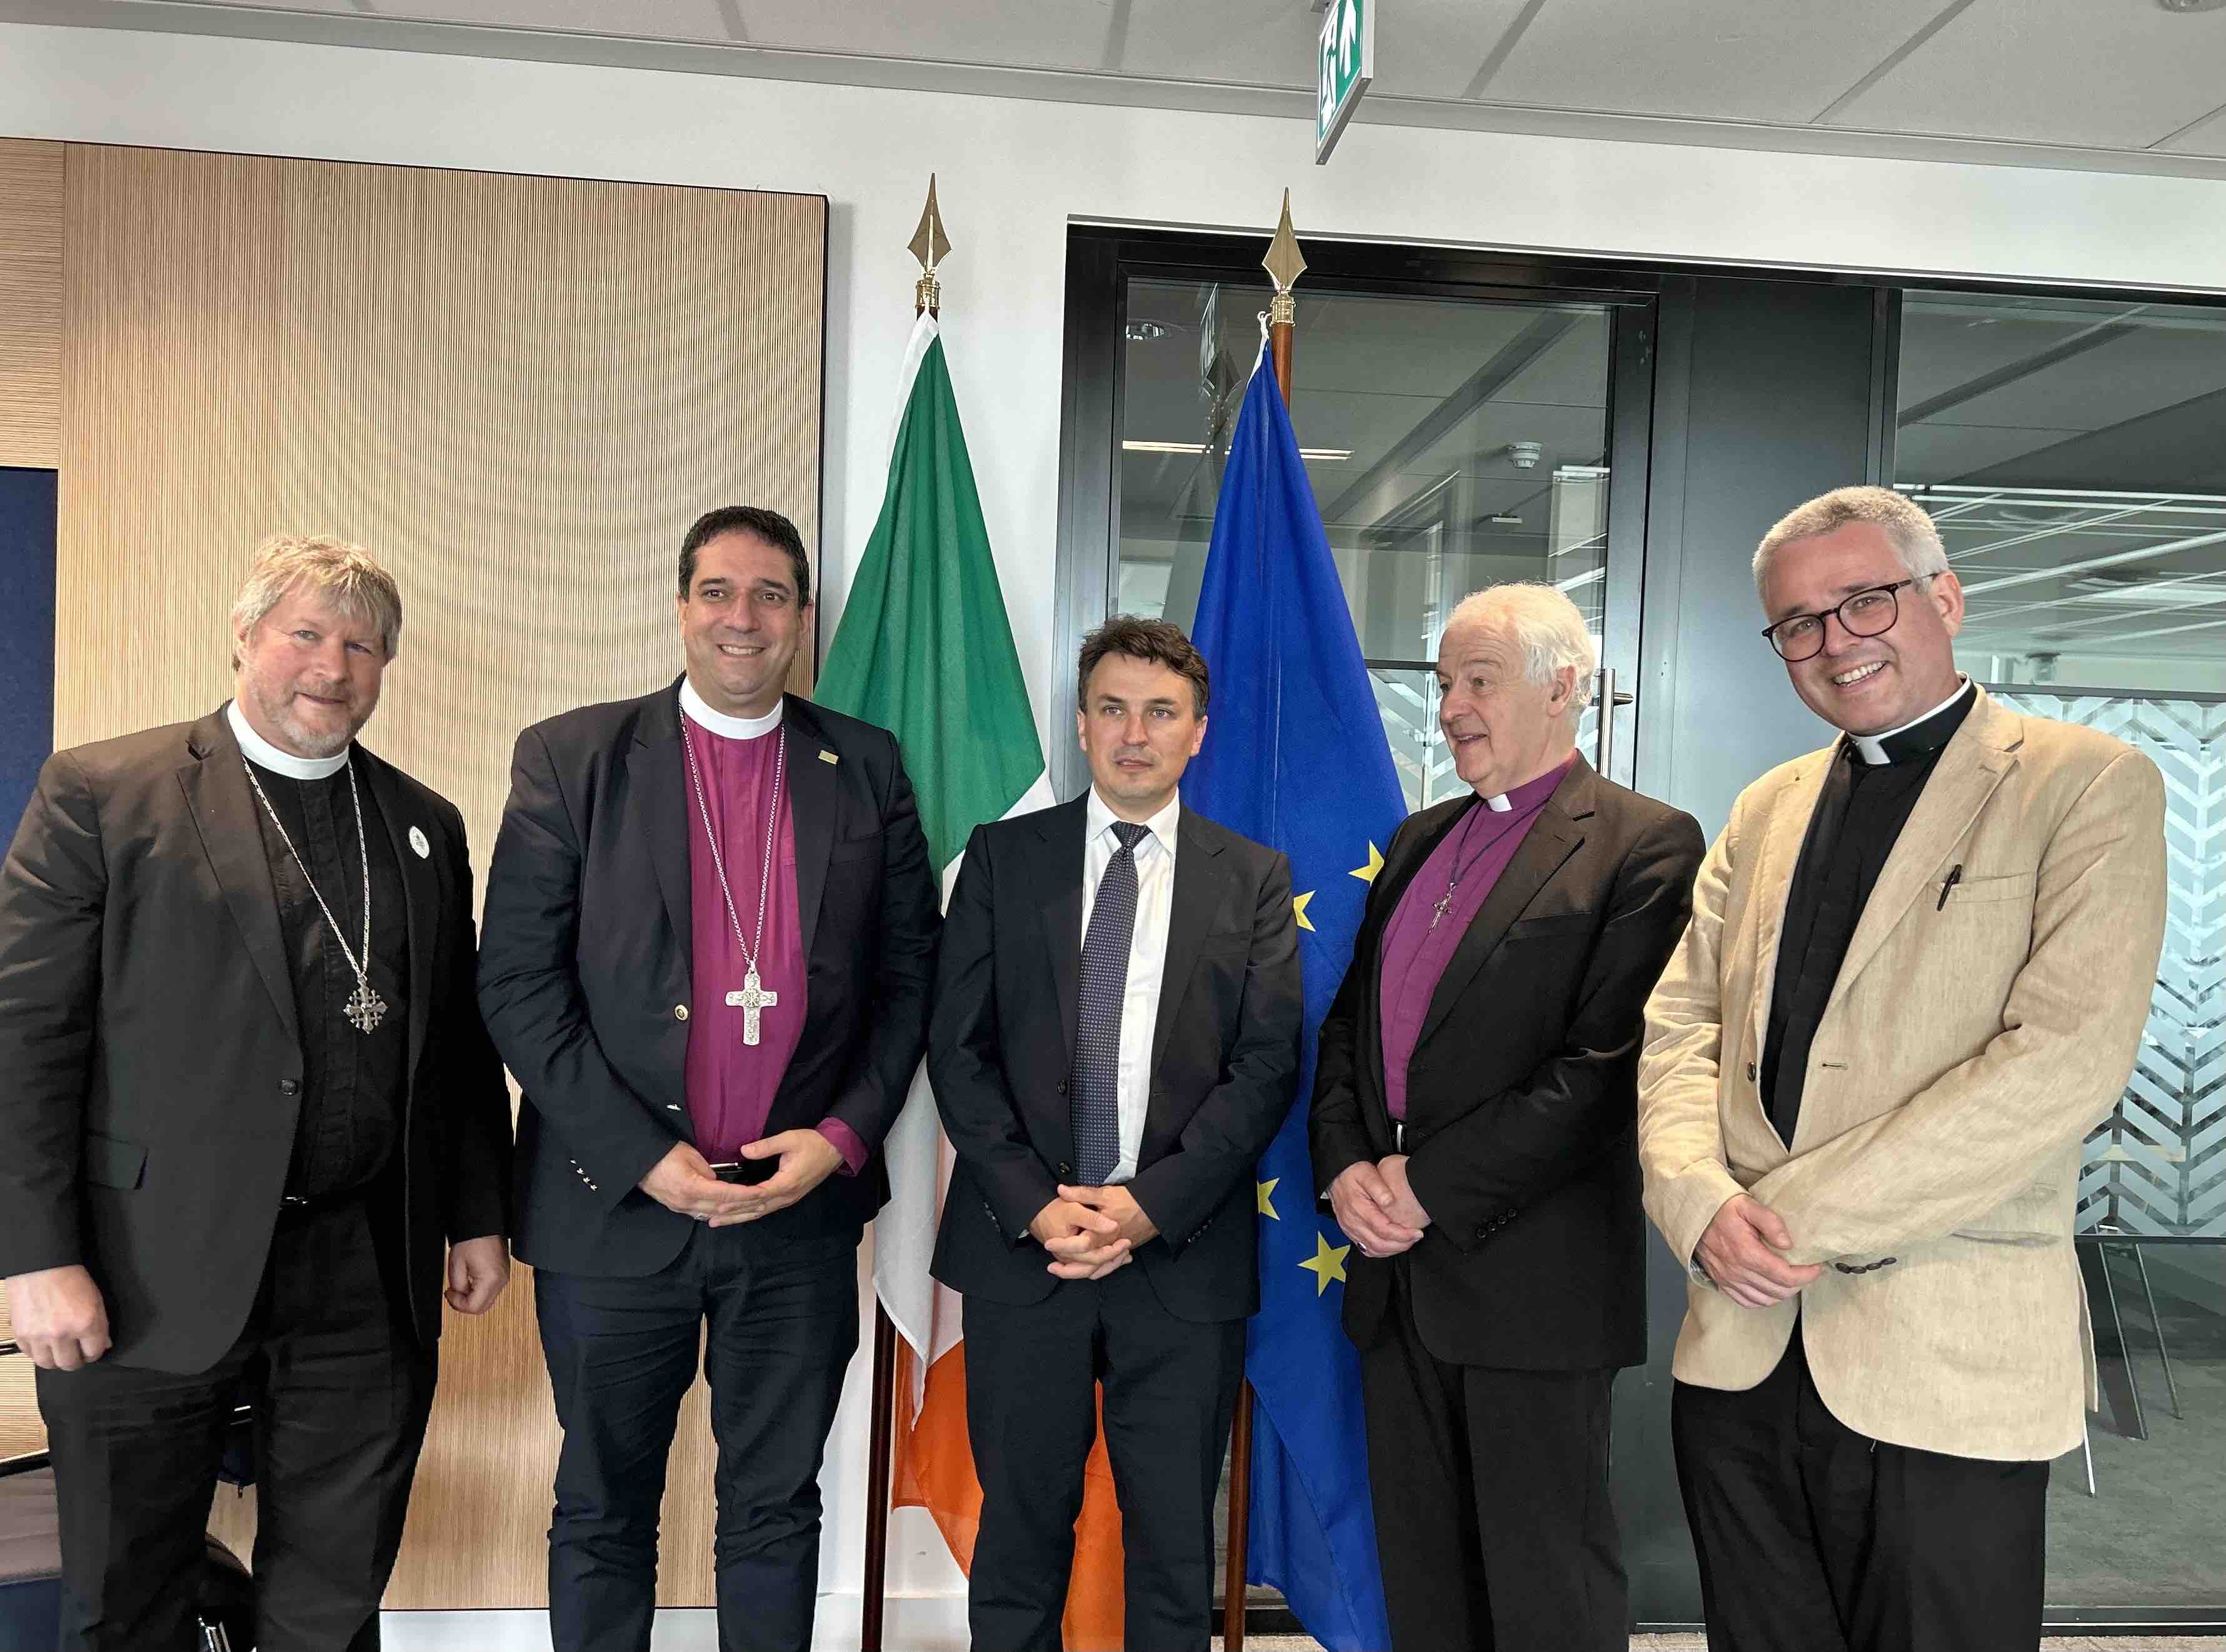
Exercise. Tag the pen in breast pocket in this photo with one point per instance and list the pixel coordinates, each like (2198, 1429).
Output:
(1948, 886)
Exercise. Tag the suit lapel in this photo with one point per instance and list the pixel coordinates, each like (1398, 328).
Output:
(421, 883)
(814, 801)
(662, 801)
(1201, 884)
(1552, 838)
(1968, 771)
(1060, 844)
(224, 812)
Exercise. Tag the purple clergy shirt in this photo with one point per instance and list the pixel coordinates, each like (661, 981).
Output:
(729, 1084)
(1415, 954)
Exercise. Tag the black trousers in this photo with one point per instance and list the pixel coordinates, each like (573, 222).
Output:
(783, 1316)
(1811, 1535)
(1493, 1526)
(341, 1388)
(1033, 1375)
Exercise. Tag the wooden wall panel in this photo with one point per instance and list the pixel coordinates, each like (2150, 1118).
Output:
(30, 302)
(519, 392)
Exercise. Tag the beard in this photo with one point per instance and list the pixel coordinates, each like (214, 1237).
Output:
(305, 737)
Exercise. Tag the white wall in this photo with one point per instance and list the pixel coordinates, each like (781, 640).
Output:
(1012, 174)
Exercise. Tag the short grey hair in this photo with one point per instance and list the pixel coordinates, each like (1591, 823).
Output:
(1544, 624)
(1915, 539)
(347, 576)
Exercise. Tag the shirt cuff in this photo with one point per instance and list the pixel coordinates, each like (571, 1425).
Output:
(846, 1143)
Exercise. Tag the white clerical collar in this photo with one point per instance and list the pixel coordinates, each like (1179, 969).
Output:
(1498, 804)
(718, 722)
(1871, 748)
(1161, 825)
(260, 751)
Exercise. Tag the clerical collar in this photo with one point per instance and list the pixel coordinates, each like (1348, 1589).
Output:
(1919, 736)
(263, 753)
(718, 722)
(1160, 825)
(1531, 794)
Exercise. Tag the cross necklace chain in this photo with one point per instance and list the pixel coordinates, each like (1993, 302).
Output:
(364, 1007)
(1445, 902)
(754, 1000)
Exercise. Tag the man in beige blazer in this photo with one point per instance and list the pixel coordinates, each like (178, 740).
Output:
(1916, 977)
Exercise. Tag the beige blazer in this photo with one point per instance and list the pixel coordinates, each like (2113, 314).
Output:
(1965, 1053)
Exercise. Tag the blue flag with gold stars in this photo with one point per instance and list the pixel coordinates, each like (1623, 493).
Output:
(1296, 757)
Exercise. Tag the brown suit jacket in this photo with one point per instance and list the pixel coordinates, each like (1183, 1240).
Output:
(1965, 1053)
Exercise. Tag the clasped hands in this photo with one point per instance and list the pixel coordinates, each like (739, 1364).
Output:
(1738, 1252)
(1090, 1231)
(1376, 1207)
(683, 1181)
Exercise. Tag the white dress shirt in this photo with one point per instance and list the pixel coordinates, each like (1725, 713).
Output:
(1155, 856)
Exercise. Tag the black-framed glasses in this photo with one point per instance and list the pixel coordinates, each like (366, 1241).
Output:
(1869, 612)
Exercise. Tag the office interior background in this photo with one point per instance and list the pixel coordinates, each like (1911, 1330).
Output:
(509, 290)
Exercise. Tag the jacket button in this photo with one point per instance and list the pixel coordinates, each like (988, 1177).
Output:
(1750, 1072)
(290, 1087)
(1062, 1087)
(680, 1012)
(1065, 1170)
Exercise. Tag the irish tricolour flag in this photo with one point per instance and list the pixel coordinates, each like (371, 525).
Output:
(926, 651)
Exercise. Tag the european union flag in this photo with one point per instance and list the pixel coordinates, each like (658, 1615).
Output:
(1296, 757)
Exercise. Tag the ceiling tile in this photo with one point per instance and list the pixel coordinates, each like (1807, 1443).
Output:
(1728, 60)
(2068, 71)
(2205, 136)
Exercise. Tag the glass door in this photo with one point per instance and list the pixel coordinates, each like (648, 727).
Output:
(1454, 442)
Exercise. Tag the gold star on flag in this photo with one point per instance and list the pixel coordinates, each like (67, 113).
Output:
(1328, 1263)
(1299, 908)
(1367, 873)
(1266, 1193)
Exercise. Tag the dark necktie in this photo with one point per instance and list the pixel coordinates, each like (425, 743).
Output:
(1096, 1106)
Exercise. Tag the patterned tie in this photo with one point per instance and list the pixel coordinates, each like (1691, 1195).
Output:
(1097, 1105)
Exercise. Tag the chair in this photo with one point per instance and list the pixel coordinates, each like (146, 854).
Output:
(31, 1563)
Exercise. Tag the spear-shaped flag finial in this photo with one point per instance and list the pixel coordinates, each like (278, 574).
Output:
(1285, 264)
(930, 246)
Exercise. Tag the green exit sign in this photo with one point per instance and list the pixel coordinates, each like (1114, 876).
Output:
(1343, 67)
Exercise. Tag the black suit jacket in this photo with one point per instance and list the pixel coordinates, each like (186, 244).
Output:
(150, 1065)
(587, 958)
(1224, 1058)
(1522, 1095)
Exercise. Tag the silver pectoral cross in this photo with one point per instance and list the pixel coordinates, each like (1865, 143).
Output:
(751, 1000)
(1444, 906)
(365, 1008)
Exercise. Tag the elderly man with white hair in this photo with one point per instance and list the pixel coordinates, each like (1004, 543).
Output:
(1474, 1126)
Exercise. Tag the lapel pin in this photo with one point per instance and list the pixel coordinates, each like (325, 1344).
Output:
(829, 756)
(418, 842)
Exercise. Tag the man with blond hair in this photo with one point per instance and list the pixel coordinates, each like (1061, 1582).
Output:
(1472, 1124)
(1919, 962)
(253, 1120)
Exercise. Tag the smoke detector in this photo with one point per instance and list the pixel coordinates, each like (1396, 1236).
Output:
(1524, 455)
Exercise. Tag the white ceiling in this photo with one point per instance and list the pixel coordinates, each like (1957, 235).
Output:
(2109, 85)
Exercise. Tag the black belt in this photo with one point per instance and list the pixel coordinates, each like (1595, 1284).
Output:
(294, 1207)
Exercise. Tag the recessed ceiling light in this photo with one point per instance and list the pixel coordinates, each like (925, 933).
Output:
(2192, 5)
(1328, 454)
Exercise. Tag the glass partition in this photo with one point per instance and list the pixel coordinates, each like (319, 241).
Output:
(2074, 454)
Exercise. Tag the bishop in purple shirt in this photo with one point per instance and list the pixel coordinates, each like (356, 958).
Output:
(1473, 1127)
(708, 943)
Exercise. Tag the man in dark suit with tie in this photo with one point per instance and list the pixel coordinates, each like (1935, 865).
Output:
(1115, 1043)
(1473, 1125)
(710, 938)
(252, 1121)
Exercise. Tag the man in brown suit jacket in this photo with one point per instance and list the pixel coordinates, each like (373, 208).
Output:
(1916, 977)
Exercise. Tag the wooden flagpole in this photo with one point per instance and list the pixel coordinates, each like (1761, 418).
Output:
(928, 245)
(1285, 265)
